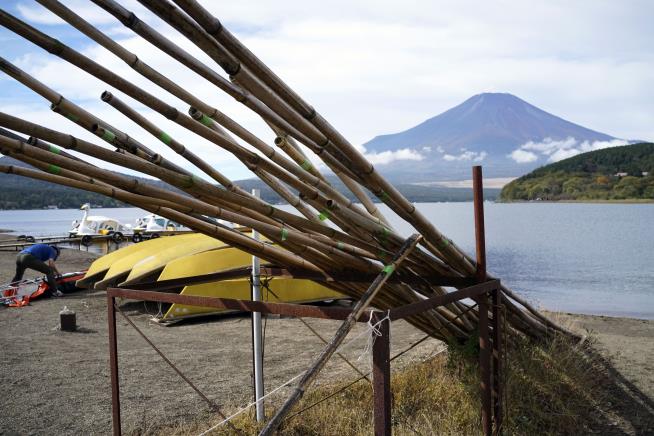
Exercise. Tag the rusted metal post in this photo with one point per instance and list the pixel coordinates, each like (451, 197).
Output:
(113, 365)
(480, 233)
(484, 343)
(497, 359)
(484, 366)
(381, 376)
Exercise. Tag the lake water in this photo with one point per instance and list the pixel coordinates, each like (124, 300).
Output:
(583, 258)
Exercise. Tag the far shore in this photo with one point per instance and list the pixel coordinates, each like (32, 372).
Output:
(626, 201)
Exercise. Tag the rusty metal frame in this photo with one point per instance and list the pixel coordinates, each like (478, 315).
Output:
(381, 346)
(479, 288)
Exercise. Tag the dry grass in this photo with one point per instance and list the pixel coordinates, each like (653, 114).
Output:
(553, 388)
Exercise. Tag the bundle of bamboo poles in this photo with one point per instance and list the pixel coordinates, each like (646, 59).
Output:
(331, 237)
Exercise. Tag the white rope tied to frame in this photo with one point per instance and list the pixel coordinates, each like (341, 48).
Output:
(374, 331)
(250, 405)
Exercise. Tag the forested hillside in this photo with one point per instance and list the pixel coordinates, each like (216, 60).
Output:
(19, 192)
(617, 173)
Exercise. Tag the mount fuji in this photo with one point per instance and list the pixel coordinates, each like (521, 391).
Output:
(500, 131)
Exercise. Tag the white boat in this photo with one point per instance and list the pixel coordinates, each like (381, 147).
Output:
(155, 223)
(97, 225)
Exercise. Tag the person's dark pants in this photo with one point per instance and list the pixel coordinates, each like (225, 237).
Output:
(26, 260)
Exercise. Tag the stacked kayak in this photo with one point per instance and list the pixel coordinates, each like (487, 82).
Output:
(189, 256)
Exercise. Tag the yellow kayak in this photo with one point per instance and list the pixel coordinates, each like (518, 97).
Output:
(149, 268)
(99, 268)
(288, 290)
(206, 263)
(121, 267)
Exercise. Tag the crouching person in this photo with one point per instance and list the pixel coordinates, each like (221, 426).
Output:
(41, 258)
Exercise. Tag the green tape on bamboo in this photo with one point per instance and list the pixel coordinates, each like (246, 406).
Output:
(206, 121)
(340, 245)
(384, 233)
(54, 169)
(165, 138)
(108, 136)
(306, 165)
(72, 117)
(284, 234)
(323, 215)
(444, 242)
(189, 182)
(388, 269)
(382, 255)
(54, 149)
(383, 196)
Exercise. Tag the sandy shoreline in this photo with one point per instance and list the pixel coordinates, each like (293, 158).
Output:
(58, 383)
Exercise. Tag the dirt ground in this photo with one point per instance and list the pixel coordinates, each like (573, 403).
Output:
(56, 382)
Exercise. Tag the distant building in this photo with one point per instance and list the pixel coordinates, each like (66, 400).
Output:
(645, 173)
(52, 206)
(621, 174)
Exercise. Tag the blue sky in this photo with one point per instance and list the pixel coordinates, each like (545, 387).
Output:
(375, 67)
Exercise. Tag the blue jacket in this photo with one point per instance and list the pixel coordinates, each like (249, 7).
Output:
(43, 252)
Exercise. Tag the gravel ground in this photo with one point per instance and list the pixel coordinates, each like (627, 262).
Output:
(58, 382)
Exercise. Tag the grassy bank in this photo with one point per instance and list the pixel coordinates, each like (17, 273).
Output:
(555, 388)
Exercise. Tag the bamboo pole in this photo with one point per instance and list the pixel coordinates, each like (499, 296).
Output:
(292, 118)
(247, 157)
(163, 82)
(198, 36)
(131, 21)
(172, 143)
(81, 117)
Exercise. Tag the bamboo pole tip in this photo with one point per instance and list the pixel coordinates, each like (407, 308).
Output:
(193, 112)
(106, 96)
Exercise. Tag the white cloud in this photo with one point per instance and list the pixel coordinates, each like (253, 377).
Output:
(480, 156)
(557, 150)
(466, 155)
(548, 146)
(36, 13)
(386, 157)
(521, 156)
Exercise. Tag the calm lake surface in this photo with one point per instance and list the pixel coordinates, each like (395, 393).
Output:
(583, 258)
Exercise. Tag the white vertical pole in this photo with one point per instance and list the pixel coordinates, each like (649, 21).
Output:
(257, 346)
